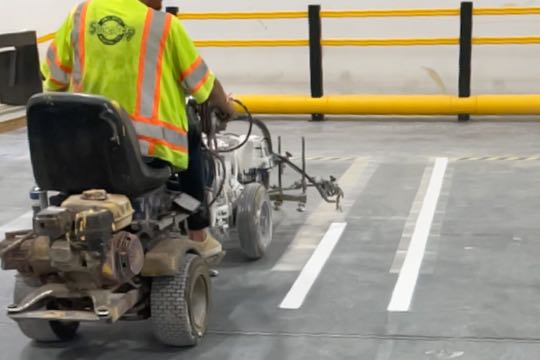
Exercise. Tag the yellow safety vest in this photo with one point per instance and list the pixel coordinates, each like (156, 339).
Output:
(141, 58)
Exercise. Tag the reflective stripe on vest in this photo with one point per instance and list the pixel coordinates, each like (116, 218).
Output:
(59, 73)
(194, 78)
(150, 129)
(146, 118)
(77, 40)
(161, 135)
(147, 148)
(156, 27)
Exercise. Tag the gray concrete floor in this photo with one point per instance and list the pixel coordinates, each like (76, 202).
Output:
(478, 293)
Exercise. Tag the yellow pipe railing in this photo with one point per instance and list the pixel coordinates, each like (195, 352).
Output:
(507, 11)
(393, 104)
(252, 43)
(280, 15)
(259, 15)
(45, 38)
(388, 13)
(390, 42)
(428, 12)
(509, 40)
(277, 15)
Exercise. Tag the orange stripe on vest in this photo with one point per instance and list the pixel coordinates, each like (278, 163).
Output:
(191, 69)
(66, 69)
(82, 43)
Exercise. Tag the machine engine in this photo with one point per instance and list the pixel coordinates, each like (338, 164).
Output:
(83, 241)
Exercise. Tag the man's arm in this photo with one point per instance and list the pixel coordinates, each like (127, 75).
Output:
(221, 100)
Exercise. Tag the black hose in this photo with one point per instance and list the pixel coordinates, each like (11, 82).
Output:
(264, 129)
(250, 130)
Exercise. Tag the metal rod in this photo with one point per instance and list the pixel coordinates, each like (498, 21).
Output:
(280, 168)
(304, 183)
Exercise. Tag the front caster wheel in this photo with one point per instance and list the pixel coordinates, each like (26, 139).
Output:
(254, 221)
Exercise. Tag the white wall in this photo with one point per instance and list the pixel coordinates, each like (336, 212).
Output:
(512, 69)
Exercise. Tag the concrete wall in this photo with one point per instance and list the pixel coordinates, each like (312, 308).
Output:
(496, 69)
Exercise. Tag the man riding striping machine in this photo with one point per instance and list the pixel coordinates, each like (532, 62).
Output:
(132, 171)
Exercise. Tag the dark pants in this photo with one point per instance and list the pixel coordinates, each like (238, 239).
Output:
(192, 181)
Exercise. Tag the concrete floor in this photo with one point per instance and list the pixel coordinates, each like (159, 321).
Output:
(477, 296)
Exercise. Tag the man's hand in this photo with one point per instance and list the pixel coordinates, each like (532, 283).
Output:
(223, 102)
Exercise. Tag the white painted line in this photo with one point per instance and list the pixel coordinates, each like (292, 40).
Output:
(353, 182)
(301, 287)
(23, 222)
(406, 283)
(408, 229)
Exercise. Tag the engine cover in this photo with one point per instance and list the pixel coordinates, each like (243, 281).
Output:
(118, 205)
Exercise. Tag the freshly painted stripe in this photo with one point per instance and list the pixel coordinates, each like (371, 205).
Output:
(329, 158)
(408, 276)
(408, 229)
(301, 287)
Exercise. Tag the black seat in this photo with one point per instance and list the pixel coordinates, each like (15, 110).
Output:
(80, 142)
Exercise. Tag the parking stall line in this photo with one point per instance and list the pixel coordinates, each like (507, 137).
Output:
(309, 274)
(411, 222)
(408, 276)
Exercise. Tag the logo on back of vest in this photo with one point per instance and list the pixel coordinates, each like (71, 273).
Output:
(111, 30)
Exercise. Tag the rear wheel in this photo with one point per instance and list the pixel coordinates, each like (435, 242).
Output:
(254, 221)
(180, 304)
(37, 329)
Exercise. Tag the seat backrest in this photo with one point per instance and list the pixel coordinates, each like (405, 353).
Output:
(80, 142)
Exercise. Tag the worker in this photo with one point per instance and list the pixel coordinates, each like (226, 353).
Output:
(134, 54)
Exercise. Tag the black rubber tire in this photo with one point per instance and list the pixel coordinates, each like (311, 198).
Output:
(42, 330)
(178, 316)
(254, 221)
